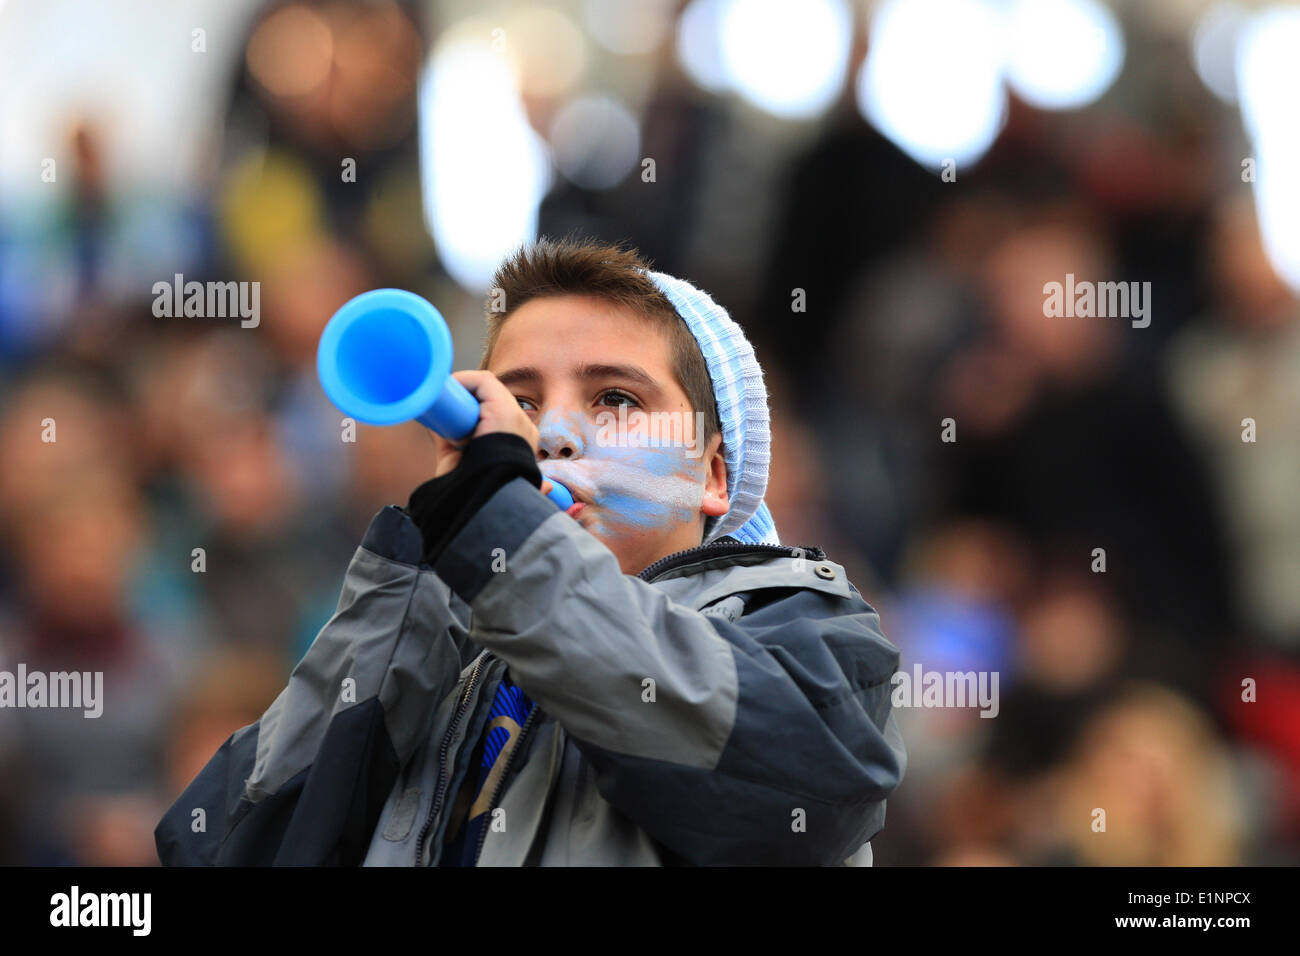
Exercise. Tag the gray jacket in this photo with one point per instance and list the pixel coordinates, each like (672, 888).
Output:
(729, 705)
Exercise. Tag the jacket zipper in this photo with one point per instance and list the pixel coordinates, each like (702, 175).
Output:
(510, 757)
(726, 546)
(442, 758)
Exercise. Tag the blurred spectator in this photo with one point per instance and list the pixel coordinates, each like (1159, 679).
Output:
(232, 689)
(1243, 362)
(1154, 764)
(73, 515)
(1079, 452)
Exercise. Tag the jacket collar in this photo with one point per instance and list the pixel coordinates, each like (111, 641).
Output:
(725, 547)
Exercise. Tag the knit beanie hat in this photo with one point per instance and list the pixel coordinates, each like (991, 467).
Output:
(742, 411)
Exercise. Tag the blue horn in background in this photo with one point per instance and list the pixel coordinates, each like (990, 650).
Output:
(385, 358)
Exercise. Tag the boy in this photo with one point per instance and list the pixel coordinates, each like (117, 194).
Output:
(647, 679)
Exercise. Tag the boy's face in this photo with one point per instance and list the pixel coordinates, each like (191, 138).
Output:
(615, 427)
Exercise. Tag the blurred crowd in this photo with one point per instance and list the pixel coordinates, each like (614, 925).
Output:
(187, 531)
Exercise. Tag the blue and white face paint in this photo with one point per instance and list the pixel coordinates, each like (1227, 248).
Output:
(627, 491)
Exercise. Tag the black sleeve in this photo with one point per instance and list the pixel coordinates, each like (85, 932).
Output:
(442, 506)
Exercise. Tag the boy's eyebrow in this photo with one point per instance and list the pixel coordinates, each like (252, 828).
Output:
(528, 375)
(630, 372)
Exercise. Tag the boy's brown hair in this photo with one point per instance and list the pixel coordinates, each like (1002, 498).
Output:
(610, 272)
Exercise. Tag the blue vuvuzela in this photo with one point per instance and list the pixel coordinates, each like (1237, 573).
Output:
(385, 358)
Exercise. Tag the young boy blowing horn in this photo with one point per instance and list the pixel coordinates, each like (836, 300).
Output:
(649, 678)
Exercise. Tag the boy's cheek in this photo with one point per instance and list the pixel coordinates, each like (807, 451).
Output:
(634, 493)
(651, 509)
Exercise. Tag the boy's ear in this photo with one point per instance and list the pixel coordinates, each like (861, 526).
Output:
(715, 486)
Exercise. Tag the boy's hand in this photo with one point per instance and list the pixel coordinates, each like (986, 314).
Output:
(498, 411)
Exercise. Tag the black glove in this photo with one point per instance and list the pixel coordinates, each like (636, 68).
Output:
(442, 506)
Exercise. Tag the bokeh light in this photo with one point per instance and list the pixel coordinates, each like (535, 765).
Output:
(547, 47)
(1062, 54)
(595, 141)
(789, 61)
(1214, 48)
(483, 168)
(291, 51)
(932, 80)
(699, 44)
(1268, 78)
(629, 28)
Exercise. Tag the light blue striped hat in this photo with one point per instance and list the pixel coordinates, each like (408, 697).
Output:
(742, 411)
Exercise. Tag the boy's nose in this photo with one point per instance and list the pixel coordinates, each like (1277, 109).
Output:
(558, 438)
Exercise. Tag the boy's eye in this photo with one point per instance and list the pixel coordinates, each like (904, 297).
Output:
(620, 397)
(525, 404)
